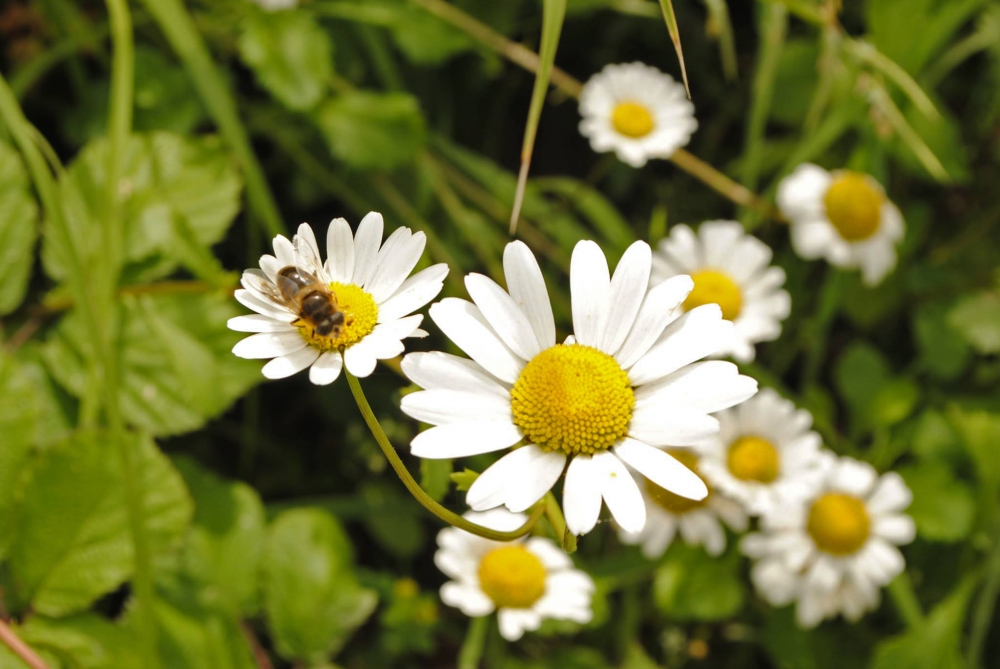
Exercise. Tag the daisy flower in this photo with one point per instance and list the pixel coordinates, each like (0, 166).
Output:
(730, 268)
(524, 581)
(697, 521)
(372, 292)
(765, 455)
(842, 216)
(834, 552)
(636, 111)
(624, 385)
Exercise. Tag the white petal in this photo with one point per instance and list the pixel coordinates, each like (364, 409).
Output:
(270, 265)
(590, 283)
(465, 325)
(517, 480)
(898, 529)
(656, 312)
(415, 292)
(360, 359)
(703, 387)
(307, 250)
(890, 495)
(552, 557)
(438, 407)
(504, 315)
(269, 345)
(662, 469)
(457, 440)
(366, 244)
(853, 476)
(340, 251)
(800, 195)
(697, 334)
(718, 239)
(449, 372)
(628, 288)
(265, 308)
(289, 364)
(258, 323)
(395, 265)
(527, 288)
(326, 369)
(284, 251)
(469, 600)
(581, 495)
(660, 426)
(620, 492)
(515, 622)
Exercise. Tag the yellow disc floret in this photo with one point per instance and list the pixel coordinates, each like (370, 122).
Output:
(753, 459)
(360, 318)
(573, 398)
(512, 576)
(854, 206)
(839, 523)
(714, 287)
(675, 503)
(632, 119)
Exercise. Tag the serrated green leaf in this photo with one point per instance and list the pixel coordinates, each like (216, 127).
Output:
(18, 229)
(311, 597)
(373, 130)
(690, 585)
(85, 641)
(977, 318)
(71, 542)
(290, 54)
(943, 507)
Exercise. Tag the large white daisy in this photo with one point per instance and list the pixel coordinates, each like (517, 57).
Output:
(636, 111)
(730, 268)
(524, 581)
(842, 216)
(697, 521)
(833, 553)
(371, 288)
(626, 384)
(765, 455)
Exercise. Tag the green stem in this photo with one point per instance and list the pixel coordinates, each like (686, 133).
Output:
(905, 599)
(180, 31)
(982, 616)
(555, 515)
(418, 493)
(475, 639)
(819, 328)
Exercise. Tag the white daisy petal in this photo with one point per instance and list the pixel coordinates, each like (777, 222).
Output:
(890, 495)
(470, 600)
(657, 310)
(581, 495)
(438, 407)
(360, 359)
(415, 292)
(326, 369)
(662, 469)
(395, 265)
(660, 426)
(590, 283)
(291, 363)
(269, 345)
(515, 622)
(620, 492)
(628, 285)
(465, 325)
(703, 387)
(258, 323)
(340, 251)
(457, 440)
(449, 372)
(517, 480)
(527, 288)
(551, 556)
(284, 251)
(504, 315)
(695, 335)
(898, 529)
(366, 246)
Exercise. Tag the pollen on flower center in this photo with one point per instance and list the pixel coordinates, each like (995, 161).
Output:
(714, 287)
(512, 576)
(753, 459)
(574, 398)
(854, 206)
(360, 318)
(839, 523)
(670, 501)
(632, 119)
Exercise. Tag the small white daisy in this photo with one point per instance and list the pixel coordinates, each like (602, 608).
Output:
(636, 111)
(697, 521)
(625, 385)
(730, 268)
(765, 455)
(834, 552)
(524, 581)
(842, 216)
(372, 292)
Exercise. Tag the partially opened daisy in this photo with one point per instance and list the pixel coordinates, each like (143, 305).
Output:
(732, 269)
(833, 553)
(765, 455)
(697, 521)
(524, 581)
(636, 111)
(842, 216)
(373, 291)
(626, 384)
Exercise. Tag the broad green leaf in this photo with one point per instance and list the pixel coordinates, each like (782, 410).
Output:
(393, 519)
(290, 54)
(934, 439)
(18, 229)
(894, 402)
(435, 477)
(942, 350)
(690, 585)
(84, 641)
(425, 38)
(980, 431)
(192, 637)
(977, 318)
(71, 540)
(373, 130)
(943, 507)
(164, 96)
(177, 368)
(860, 374)
(795, 77)
(636, 658)
(893, 23)
(311, 596)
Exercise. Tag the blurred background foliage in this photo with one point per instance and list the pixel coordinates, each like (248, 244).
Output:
(274, 533)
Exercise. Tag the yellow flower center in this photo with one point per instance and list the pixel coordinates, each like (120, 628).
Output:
(839, 523)
(512, 576)
(632, 119)
(573, 398)
(753, 459)
(714, 287)
(360, 318)
(668, 500)
(854, 206)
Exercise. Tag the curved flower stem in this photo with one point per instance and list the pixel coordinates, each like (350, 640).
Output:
(418, 493)
(905, 599)
(19, 648)
(475, 639)
(982, 615)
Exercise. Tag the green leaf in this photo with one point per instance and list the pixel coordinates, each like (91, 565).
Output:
(942, 350)
(311, 597)
(18, 229)
(934, 439)
(71, 541)
(980, 432)
(85, 641)
(392, 518)
(464, 479)
(943, 507)
(435, 477)
(175, 357)
(192, 637)
(425, 39)
(164, 96)
(860, 374)
(670, 18)
(290, 54)
(977, 318)
(373, 130)
(894, 401)
(690, 585)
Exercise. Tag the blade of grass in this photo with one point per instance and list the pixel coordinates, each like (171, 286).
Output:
(867, 53)
(881, 99)
(183, 36)
(667, 6)
(718, 12)
(553, 15)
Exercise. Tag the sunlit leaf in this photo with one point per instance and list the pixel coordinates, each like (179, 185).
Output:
(372, 130)
(18, 229)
